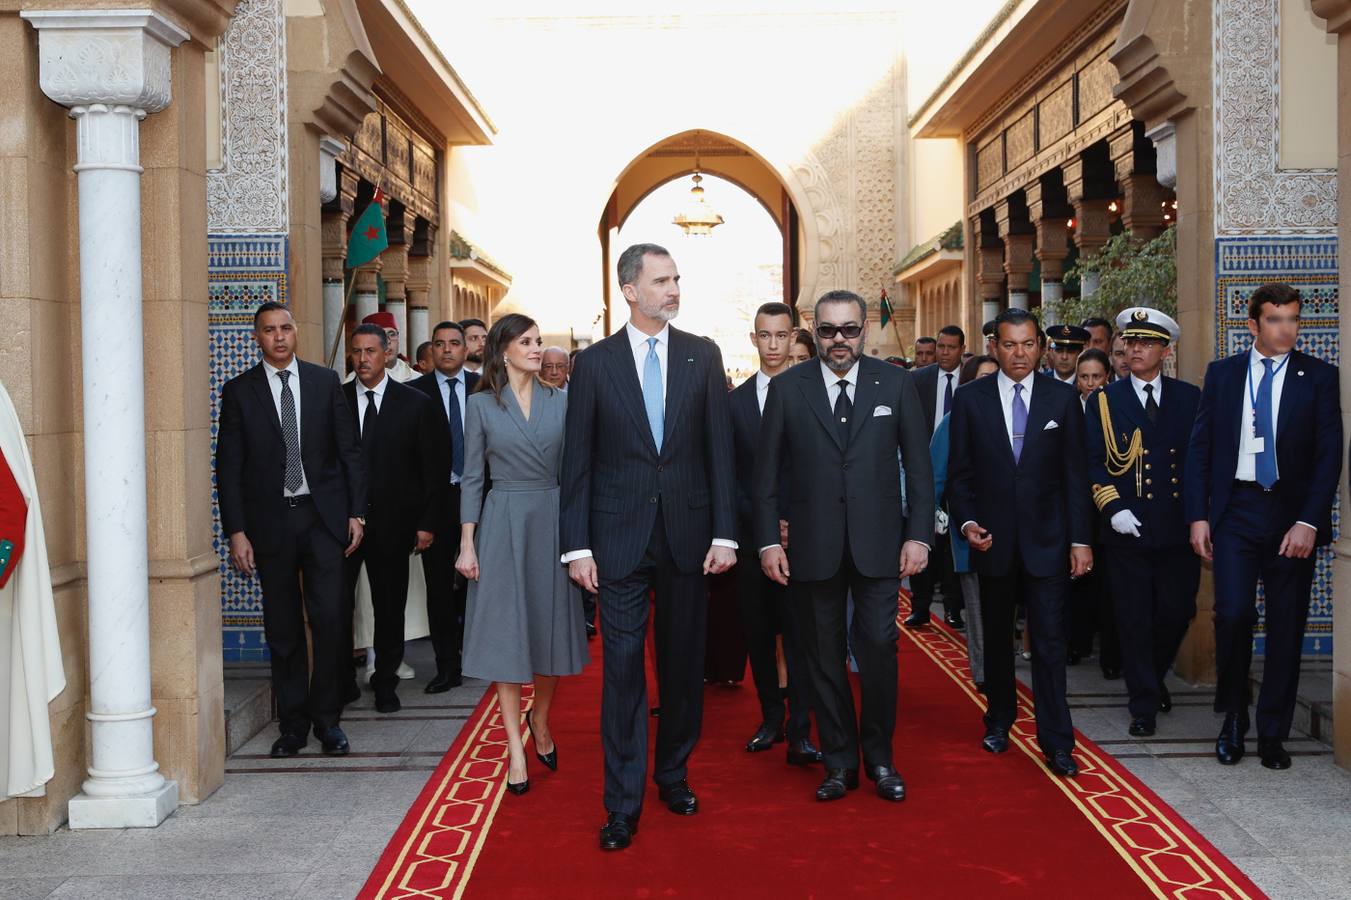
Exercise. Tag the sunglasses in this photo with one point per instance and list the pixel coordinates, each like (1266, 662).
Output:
(848, 332)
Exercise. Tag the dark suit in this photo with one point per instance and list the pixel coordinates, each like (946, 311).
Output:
(939, 572)
(1034, 509)
(1247, 524)
(765, 608)
(648, 518)
(1153, 577)
(845, 531)
(446, 591)
(408, 466)
(291, 537)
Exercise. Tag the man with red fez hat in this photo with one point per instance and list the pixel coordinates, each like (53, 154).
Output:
(398, 367)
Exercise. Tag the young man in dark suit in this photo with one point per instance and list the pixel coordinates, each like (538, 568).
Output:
(648, 503)
(1018, 487)
(846, 424)
(407, 465)
(766, 610)
(1262, 472)
(447, 386)
(1138, 432)
(936, 385)
(292, 491)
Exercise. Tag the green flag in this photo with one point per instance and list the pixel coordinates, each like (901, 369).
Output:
(886, 308)
(368, 237)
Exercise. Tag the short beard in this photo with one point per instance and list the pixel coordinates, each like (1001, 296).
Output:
(823, 353)
(476, 358)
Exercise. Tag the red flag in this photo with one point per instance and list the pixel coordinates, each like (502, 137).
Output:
(13, 521)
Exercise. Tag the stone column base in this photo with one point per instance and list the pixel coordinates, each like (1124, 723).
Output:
(145, 811)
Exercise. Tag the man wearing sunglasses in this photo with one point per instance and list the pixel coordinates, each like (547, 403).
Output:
(840, 423)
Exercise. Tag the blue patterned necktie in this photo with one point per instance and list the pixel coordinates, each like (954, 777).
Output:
(1266, 459)
(652, 393)
(290, 432)
(1019, 422)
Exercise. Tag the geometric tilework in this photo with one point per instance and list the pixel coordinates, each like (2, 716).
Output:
(1310, 264)
(243, 271)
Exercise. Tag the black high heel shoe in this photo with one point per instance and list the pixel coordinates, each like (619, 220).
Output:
(519, 788)
(549, 759)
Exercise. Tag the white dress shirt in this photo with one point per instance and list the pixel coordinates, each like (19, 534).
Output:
(638, 344)
(1247, 440)
(944, 379)
(1140, 388)
(363, 401)
(761, 389)
(1070, 380)
(274, 384)
(442, 380)
(832, 379)
(638, 341)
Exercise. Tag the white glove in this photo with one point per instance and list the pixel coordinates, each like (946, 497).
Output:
(940, 522)
(1125, 522)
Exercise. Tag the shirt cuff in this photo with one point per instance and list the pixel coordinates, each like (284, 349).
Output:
(767, 547)
(576, 554)
(921, 543)
(961, 532)
(723, 542)
(1306, 525)
(1089, 546)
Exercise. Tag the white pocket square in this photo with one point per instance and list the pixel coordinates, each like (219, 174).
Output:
(1051, 424)
(881, 411)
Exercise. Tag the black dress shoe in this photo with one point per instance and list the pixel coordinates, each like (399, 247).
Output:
(765, 737)
(954, 620)
(655, 712)
(549, 759)
(917, 619)
(837, 783)
(679, 798)
(1229, 747)
(333, 740)
(803, 752)
(443, 682)
(590, 631)
(980, 687)
(1111, 673)
(618, 831)
(1273, 753)
(288, 745)
(996, 740)
(889, 783)
(1142, 726)
(386, 701)
(1062, 763)
(1165, 700)
(352, 694)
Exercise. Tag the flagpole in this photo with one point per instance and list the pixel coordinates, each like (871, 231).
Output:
(342, 321)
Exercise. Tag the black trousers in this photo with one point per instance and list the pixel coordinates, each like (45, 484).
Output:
(681, 612)
(447, 591)
(725, 644)
(1245, 544)
(303, 578)
(820, 609)
(938, 574)
(1090, 613)
(387, 572)
(766, 611)
(1045, 599)
(1154, 602)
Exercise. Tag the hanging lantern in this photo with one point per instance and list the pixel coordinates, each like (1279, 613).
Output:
(698, 218)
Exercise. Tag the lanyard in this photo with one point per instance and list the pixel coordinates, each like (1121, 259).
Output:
(1252, 394)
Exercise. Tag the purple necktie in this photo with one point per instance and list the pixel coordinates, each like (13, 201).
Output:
(1019, 421)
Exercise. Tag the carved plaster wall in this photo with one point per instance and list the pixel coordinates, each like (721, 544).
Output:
(1253, 196)
(247, 195)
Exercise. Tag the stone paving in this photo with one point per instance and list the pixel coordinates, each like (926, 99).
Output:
(313, 826)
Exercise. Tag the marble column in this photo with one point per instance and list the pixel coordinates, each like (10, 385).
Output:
(1089, 188)
(1015, 230)
(394, 272)
(419, 288)
(366, 294)
(338, 208)
(989, 264)
(1049, 214)
(112, 68)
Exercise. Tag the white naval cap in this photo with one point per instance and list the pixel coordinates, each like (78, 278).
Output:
(1143, 321)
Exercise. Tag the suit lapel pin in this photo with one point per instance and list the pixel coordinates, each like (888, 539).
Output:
(691, 359)
(1299, 371)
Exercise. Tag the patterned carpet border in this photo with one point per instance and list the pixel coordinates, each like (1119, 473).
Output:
(1171, 858)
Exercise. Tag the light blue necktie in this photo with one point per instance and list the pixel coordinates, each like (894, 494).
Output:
(1019, 422)
(652, 398)
(1266, 460)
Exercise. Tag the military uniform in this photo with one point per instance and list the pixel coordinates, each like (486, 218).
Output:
(1138, 437)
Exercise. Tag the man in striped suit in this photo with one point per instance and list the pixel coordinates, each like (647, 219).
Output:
(647, 503)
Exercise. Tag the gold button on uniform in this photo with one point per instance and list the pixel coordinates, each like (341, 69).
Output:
(1149, 496)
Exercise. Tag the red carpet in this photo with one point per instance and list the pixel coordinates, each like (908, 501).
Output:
(972, 825)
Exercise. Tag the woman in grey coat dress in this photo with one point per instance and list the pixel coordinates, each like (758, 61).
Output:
(523, 622)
